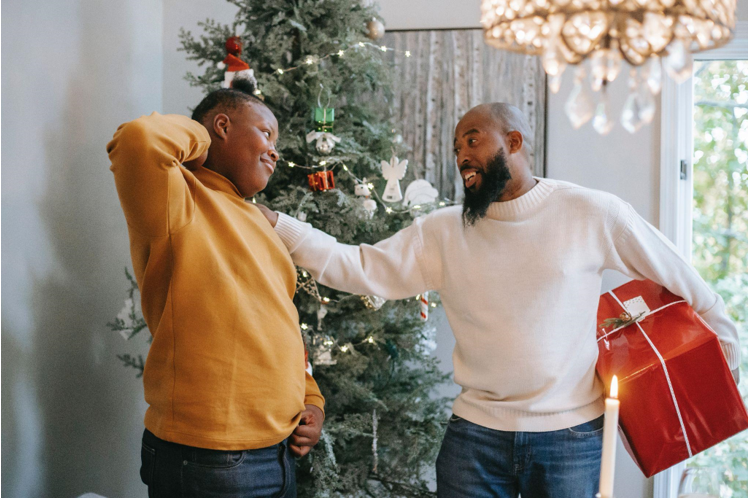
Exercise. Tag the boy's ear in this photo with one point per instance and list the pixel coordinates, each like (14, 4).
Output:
(221, 125)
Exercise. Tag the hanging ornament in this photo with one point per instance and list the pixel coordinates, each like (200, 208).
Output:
(602, 121)
(373, 302)
(323, 118)
(375, 29)
(631, 115)
(579, 106)
(419, 192)
(234, 65)
(321, 181)
(679, 61)
(362, 190)
(393, 172)
(424, 306)
(325, 141)
(302, 216)
(321, 313)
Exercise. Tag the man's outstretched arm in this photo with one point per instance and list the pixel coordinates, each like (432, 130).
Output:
(395, 268)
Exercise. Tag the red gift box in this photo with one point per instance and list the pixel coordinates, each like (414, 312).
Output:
(677, 394)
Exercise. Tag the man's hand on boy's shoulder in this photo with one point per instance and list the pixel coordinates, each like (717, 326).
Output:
(307, 434)
(271, 215)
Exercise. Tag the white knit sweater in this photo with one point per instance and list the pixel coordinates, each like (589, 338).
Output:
(520, 289)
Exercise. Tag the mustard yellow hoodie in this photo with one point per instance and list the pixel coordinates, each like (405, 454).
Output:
(226, 367)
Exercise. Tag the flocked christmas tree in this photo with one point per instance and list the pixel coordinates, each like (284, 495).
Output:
(319, 67)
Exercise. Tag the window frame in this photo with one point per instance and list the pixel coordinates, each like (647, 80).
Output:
(676, 192)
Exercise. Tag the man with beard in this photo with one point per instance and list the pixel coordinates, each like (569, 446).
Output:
(519, 272)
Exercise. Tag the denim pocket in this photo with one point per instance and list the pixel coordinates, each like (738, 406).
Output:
(147, 464)
(216, 459)
(591, 428)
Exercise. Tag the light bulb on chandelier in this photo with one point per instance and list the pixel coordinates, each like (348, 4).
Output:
(602, 35)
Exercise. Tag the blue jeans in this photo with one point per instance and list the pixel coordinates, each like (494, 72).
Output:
(175, 470)
(475, 461)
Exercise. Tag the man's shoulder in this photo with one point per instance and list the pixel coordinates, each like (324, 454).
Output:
(584, 197)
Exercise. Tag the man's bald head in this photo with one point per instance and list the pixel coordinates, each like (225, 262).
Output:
(507, 118)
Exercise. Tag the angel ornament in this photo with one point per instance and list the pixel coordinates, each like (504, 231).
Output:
(393, 172)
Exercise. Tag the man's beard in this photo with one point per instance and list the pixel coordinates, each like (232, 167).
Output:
(493, 182)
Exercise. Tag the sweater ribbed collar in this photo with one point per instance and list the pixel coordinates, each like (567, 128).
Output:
(216, 181)
(511, 210)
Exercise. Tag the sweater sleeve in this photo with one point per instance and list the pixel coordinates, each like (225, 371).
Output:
(394, 268)
(312, 395)
(155, 192)
(640, 251)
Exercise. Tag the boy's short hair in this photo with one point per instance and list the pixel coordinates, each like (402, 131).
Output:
(241, 92)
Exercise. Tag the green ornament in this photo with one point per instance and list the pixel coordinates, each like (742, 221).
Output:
(324, 117)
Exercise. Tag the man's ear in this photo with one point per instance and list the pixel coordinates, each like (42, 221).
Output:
(514, 141)
(221, 125)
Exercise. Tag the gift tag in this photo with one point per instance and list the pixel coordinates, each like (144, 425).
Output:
(636, 306)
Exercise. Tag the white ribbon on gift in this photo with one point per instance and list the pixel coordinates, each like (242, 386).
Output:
(660, 358)
(321, 137)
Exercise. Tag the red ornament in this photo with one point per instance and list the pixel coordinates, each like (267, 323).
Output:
(234, 45)
(321, 181)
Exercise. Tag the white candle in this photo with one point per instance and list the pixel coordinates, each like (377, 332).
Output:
(610, 430)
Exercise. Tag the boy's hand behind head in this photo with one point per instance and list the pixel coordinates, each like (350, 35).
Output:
(196, 163)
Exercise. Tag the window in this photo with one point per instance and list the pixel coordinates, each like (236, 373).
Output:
(704, 210)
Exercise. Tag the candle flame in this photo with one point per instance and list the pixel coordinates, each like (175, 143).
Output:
(614, 387)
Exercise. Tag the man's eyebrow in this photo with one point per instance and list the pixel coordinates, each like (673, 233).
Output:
(469, 132)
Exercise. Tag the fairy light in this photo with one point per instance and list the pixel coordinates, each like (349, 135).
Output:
(370, 340)
(442, 203)
(388, 210)
(345, 168)
(361, 44)
(323, 163)
(417, 207)
(280, 71)
(408, 53)
(434, 305)
(304, 274)
(370, 185)
(344, 348)
(327, 342)
(292, 164)
(309, 60)
(384, 48)
(325, 300)
(257, 91)
(340, 53)
(304, 326)
(253, 201)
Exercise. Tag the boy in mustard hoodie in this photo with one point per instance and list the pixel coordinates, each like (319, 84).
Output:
(225, 381)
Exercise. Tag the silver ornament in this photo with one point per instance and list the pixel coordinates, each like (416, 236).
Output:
(375, 30)
(324, 147)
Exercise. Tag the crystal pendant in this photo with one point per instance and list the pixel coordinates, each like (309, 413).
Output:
(602, 121)
(579, 106)
(653, 74)
(605, 65)
(679, 61)
(553, 58)
(647, 105)
(554, 82)
(631, 114)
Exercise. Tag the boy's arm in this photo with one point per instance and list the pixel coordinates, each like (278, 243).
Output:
(395, 268)
(155, 192)
(641, 251)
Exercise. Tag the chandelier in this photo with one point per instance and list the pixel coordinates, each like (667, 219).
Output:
(606, 33)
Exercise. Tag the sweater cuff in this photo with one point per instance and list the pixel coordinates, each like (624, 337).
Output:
(290, 230)
(316, 400)
(732, 353)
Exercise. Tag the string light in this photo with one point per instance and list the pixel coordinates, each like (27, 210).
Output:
(344, 348)
(326, 300)
(384, 48)
(280, 71)
(370, 340)
(408, 53)
(304, 326)
(340, 53)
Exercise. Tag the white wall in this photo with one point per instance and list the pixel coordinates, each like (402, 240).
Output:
(73, 70)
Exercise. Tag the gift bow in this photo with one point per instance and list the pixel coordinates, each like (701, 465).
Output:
(322, 137)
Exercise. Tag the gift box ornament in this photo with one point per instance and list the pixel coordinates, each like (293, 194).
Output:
(321, 181)
(677, 394)
(323, 118)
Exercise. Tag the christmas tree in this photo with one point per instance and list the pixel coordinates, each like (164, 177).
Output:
(320, 69)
